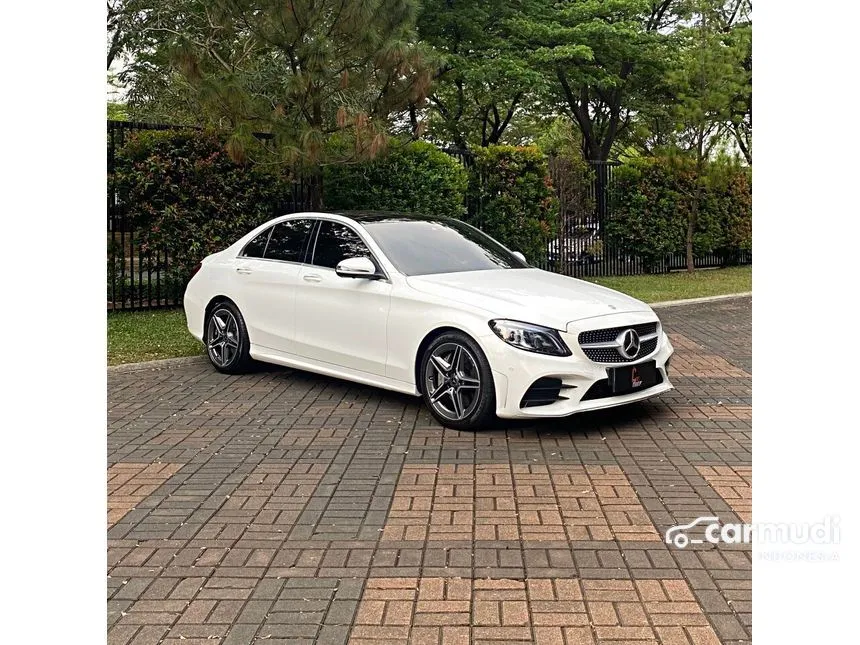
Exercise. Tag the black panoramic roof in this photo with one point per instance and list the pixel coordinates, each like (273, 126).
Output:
(365, 217)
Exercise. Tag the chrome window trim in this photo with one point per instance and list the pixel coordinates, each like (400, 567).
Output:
(242, 257)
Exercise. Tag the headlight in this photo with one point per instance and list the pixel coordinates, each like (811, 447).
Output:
(531, 338)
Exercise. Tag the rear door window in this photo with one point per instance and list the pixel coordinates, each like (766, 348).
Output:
(257, 247)
(288, 240)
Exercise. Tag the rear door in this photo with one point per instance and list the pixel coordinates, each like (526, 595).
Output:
(268, 283)
(341, 321)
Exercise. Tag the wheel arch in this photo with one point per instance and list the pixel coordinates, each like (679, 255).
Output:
(216, 300)
(425, 343)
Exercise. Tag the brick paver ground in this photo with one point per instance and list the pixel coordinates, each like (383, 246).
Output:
(284, 507)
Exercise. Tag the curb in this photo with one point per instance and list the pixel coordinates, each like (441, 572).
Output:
(693, 301)
(155, 365)
(191, 360)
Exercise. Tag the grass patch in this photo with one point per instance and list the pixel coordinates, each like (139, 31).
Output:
(681, 285)
(149, 335)
(135, 336)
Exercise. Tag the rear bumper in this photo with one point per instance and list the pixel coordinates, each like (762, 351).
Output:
(194, 311)
(515, 371)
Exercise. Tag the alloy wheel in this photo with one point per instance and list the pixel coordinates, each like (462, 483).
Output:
(452, 381)
(222, 337)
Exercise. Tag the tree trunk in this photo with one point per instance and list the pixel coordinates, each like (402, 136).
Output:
(693, 214)
(691, 226)
(315, 196)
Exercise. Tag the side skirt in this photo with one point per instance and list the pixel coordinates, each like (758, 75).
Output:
(267, 355)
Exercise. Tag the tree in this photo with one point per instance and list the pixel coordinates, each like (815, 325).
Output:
(117, 16)
(739, 38)
(604, 61)
(481, 81)
(707, 86)
(300, 70)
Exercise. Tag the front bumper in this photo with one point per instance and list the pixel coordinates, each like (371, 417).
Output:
(515, 371)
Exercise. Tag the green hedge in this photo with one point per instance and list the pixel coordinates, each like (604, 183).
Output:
(416, 177)
(186, 197)
(651, 199)
(516, 202)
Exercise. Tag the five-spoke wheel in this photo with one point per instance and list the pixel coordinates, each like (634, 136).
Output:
(457, 383)
(227, 339)
(222, 337)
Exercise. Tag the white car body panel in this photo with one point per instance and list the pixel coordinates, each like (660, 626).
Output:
(370, 331)
(342, 321)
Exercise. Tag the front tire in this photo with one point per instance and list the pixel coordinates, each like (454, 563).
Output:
(457, 382)
(226, 339)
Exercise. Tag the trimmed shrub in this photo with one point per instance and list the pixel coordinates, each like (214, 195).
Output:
(416, 177)
(185, 196)
(651, 200)
(516, 202)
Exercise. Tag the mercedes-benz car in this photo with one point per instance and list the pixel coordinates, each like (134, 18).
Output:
(428, 306)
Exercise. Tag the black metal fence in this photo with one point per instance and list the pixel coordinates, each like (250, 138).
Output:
(141, 278)
(583, 248)
(135, 278)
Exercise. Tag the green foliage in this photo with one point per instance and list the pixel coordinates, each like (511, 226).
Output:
(482, 81)
(300, 70)
(652, 199)
(417, 177)
(117, 112)
(602, 62)
(186, 196)
(517, 203)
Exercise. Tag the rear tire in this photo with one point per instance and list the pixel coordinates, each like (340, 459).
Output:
(226, 339)
(457, 382)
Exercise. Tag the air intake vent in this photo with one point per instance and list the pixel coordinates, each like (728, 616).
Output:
(544, 391)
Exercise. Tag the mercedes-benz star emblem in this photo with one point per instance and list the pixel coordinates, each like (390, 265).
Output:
(628, 343)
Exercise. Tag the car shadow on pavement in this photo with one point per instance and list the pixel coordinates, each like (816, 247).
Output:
(592, 421)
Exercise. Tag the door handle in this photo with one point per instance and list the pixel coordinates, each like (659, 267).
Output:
(312, 277)
(243, 270)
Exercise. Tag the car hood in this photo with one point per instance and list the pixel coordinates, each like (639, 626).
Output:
(529, 295)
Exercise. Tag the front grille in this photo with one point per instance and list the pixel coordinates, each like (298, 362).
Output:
(611, 354)
(544, 391)
(601, 389)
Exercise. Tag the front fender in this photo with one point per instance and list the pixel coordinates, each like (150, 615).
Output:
(411, 321)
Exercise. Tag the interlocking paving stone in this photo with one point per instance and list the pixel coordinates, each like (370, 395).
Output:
(538, 610)
(734, 485)
(284, 507)
(131, 483)
(519, 502)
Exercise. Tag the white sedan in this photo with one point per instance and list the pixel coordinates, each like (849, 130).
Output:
(428, 306)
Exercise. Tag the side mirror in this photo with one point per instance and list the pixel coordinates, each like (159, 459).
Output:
(520, 256)
(357, 268)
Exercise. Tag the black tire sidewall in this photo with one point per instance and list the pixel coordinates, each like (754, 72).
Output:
(242, 361)
(485, 411)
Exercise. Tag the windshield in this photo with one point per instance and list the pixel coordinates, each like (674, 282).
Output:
(424, 247)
